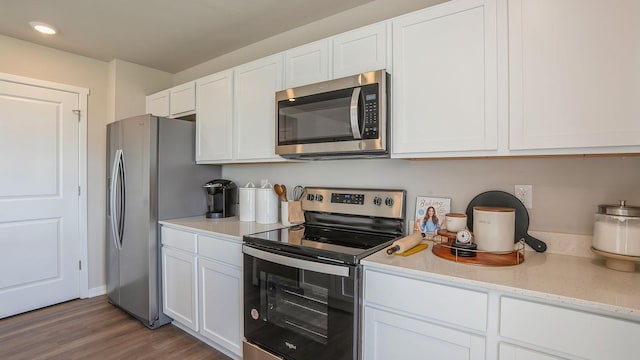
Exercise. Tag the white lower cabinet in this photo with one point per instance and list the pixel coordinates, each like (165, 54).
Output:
(221, 304)
(391, 336)
(202, 286)
(407, 318)
(220, 274)
(179, 286)
(573, 332)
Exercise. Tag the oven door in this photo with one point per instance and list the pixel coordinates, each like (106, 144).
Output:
(297, 308)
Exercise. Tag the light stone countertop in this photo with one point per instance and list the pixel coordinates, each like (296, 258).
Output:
(573, 281)
(230, 227)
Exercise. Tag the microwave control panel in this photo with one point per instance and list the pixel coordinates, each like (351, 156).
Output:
(371, 123)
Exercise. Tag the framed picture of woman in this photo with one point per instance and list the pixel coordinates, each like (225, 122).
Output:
(430, 212)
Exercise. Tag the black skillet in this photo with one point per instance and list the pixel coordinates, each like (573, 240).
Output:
(504, 199)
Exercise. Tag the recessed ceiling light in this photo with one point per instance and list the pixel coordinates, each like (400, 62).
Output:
(43, 28)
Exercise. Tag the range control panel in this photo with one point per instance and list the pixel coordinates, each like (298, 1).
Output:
(365, 202)
(340, 198)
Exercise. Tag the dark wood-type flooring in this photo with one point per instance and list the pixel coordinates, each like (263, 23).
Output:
(94, 329)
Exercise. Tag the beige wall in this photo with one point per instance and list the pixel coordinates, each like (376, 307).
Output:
(39, 62)
(131, 84)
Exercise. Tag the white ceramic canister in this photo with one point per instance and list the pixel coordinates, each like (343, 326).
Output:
(494, 228)
(617, 229)
(247, 202)
(266, 205)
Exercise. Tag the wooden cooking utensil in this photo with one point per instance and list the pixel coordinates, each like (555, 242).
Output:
(280, 191)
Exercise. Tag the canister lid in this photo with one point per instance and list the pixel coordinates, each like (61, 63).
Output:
(621, 209)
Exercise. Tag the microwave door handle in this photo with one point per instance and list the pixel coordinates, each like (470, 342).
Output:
(319, 267)
(355, 126)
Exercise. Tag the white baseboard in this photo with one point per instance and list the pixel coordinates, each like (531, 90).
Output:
(97, 291)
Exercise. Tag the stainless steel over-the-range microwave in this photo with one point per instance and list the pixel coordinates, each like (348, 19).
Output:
(346, 117)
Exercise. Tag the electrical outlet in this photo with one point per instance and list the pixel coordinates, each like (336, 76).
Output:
(524, 193)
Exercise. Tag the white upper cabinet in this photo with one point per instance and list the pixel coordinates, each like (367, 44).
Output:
(307, 64)
(183, 99)
(573, 75)
(354, 52)
(175, 102)
(214, 124)
(445, 80)
(255, 85)
(236, 113)
(158, 103)
(361, 50)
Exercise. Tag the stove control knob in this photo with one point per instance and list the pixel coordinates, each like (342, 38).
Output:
(310, 197)
(377, 201)
(388, 201)
(319, 197)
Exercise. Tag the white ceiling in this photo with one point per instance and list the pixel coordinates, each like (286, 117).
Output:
(169, 35)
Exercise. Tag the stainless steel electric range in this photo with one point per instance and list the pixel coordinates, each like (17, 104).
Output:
(302, 284)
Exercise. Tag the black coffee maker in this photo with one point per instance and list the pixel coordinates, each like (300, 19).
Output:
(222, 196)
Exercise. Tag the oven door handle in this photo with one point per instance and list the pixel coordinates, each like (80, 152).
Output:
(297, 263)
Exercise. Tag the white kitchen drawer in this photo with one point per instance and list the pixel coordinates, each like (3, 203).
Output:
(389, 336)
(585, 335)
(223, 250)
(424, 299)
(179, 239)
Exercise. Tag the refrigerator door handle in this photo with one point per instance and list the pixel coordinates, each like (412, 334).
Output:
(113, 213)
(123, 199)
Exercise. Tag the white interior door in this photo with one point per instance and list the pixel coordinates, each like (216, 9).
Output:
(39, 201)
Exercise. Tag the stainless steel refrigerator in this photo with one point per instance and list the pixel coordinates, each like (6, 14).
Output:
(151, 176)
